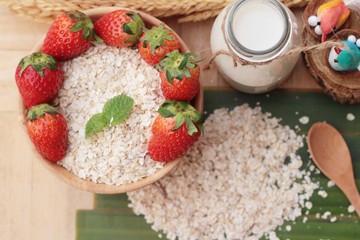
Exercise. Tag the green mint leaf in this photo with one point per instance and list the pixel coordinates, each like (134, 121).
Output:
(118, 109)
(115, 111)
(96, 124)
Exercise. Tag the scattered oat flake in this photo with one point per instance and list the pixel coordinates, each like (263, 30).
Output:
(288, 228)
(351, 209)
(326, 215)
(247, 159)
(330, 184)
(312, 168)
(308, 205)
(304, 120)
(350, 117)
(333, 219)
(322, 193)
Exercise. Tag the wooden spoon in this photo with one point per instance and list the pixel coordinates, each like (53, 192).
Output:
(331, 154)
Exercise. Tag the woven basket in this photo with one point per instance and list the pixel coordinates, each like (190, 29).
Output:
(185, 10)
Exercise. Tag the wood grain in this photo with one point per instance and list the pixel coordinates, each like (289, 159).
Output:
(34, 203)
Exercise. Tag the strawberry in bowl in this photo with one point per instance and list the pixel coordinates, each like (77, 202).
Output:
(38, 77)
(180, 73)
(110, 99)
(69, 35)
(177, 127)
(156, 43)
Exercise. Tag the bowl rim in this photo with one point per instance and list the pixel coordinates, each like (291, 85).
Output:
(103, 188)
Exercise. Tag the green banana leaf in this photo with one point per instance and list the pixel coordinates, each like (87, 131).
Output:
(112, 219)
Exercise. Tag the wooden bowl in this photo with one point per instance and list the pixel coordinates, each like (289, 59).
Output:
(82, 184)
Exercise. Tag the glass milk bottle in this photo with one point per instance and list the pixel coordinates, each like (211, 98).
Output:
(257, 32)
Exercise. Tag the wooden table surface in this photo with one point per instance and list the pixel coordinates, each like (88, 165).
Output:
(34, 203)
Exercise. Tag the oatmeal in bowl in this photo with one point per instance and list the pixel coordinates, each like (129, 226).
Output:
(131, 104)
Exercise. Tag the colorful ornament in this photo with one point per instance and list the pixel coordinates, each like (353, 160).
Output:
(330, 16)
(346, 58)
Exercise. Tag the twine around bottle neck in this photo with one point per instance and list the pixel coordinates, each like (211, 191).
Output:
(237, 60)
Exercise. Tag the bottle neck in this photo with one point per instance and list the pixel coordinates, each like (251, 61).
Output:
(257, 30)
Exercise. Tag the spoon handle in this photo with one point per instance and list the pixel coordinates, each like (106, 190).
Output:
(355, 202)
(350, 190)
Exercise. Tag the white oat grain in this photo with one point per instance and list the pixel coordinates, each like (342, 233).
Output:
(116, 155)
(351, 209)
(330, 184)
(350, 117)
(322, 193)
(304, 120)
(235, 173)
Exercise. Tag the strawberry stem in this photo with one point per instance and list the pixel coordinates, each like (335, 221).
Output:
(183, 113)
(39, 62)
(156, 36)
(84, 23)
(40, 110)
(133, 28)
(177, 65)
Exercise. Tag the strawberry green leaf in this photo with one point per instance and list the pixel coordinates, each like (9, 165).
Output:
(76, 15)
(39, 62)
(77, 26)
(192, 129)
(183, 112)
(118, 109)
(165, 113)
(37, 67)
(40, 110)
(183, 62)
(96, 124)
(86, 33)
(84, 23)
(177, 65)
(134, 27)
(96, 38)
(169, 76)
(183, 105)
(187, 73)
(156, 37)
(127, 29)
(179, 121)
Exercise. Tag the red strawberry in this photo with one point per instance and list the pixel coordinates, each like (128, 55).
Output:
(39, 78)
(156, 43)
(179, 75)
(48, 131)
(120, 28)
(69, 36)
(175, 129)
